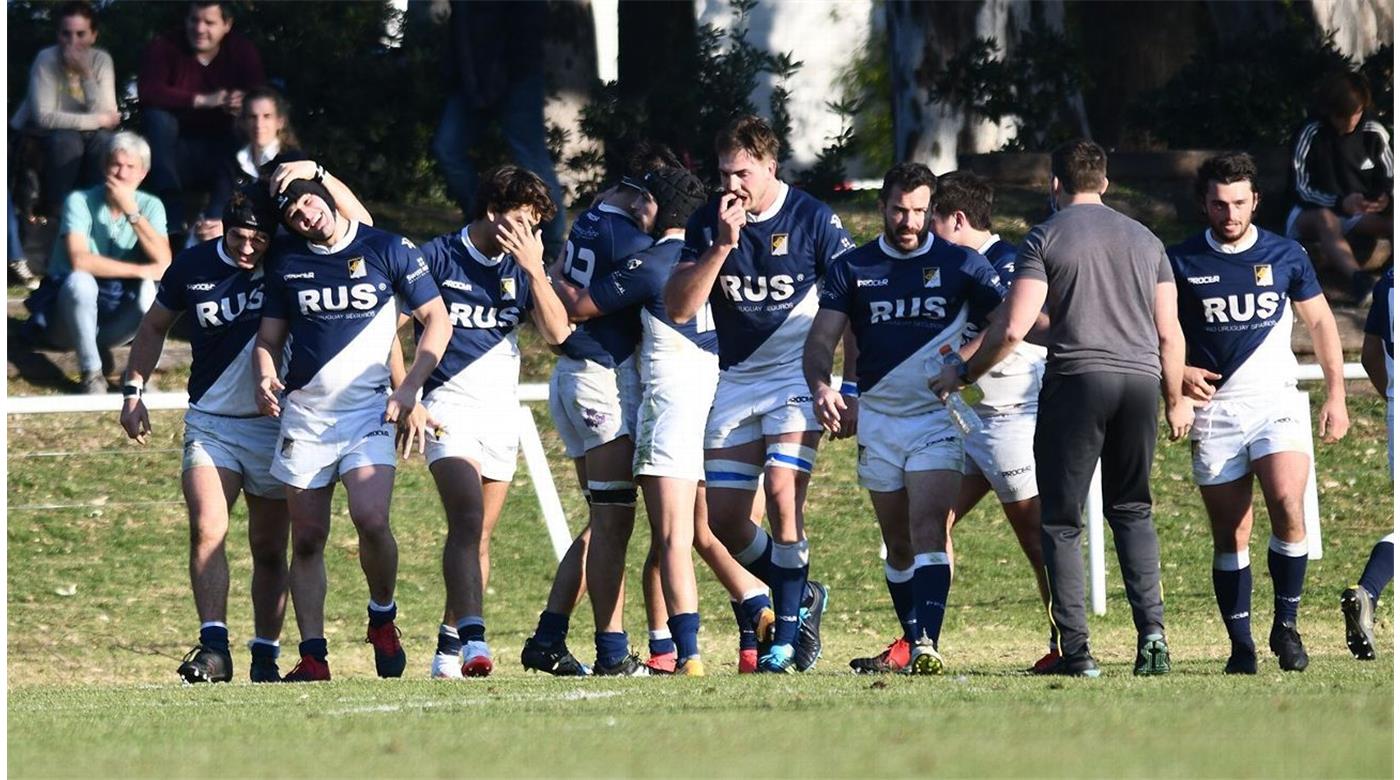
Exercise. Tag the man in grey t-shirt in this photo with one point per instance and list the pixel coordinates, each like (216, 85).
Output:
(1114, 340)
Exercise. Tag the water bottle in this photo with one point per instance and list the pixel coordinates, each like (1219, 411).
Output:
(964, 418)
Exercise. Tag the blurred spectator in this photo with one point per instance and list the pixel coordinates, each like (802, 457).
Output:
(71, 105)
(111, 248)
(496, 76)
(19, 264)
(1341, 176)
(265, 123)
(191, 85)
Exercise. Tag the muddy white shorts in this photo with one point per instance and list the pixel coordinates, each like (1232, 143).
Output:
(486, 435)
(748, 411)
(592, 404)
(676, 398)
(239, 444)
(314, 453)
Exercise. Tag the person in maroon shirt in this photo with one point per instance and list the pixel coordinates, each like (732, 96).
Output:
(191, 85)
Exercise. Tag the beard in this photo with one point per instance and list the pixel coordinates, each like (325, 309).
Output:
(896, 239)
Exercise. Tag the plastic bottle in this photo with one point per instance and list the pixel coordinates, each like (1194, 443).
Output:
(964, 418)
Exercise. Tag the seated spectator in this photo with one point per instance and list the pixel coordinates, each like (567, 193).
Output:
(191, 85)
(265, 123)
(1341, 178)
(71, 105)
(111, 248)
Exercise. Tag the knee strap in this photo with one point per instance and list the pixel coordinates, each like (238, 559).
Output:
(617, 493)
(791, 455)
(733, 474)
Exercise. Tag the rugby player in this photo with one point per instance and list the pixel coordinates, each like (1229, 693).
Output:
(909, 297)
(1378, 357)
(756, 253)
(490, 274)
(1235, 281)
(228, 443)
(335, 287)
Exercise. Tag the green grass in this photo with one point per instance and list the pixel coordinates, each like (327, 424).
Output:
(99, 613)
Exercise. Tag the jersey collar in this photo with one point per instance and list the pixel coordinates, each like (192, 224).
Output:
(608, 208)
(256, 270)
(771, 211)
(1251, 237)
(991, 242)
(321, 249)
(664, 239)
(898, 255)
(477, 254)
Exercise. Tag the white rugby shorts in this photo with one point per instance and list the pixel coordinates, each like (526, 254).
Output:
(593, 405)
(748, 411)
(1003, 453)
(1228, 435)
(891, 446)
(676, 397)
(240, 444)
(488, 436)
(314, 454)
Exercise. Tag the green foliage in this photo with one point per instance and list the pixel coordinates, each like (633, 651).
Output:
(1249, 92)
(1033, 83)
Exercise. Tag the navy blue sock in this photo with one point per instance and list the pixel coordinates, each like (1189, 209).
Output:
(552, 628)
(263, 651)
(611, 646)
(1287, 572)
(902, 596)
(1232, 595)
(762, 567)
(662, 646)
(448, 643)
(931, 584)
(316, 648)
(685, 627)
(214, 637)
(1379, 571)
(379, 617)
(789, 585)
(748, 640)
(474, 631)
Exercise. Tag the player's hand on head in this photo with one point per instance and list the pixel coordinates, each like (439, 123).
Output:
(288, 172)
(523, 243)
(1180, 415)
(135, 420)
(1333, 420)
(829, 406)
(1197, 384)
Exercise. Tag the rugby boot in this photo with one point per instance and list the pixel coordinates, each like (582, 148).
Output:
(446, 666)
(552, 659)
(891, 660)
(1359, 614)
(1288, 646)
(389, 657)
(1045, 662)
(691, 667)
(1153, 659)
(748, 660)
(662, 662)
(477, 661)
(206, 665)
(924, 659)
(809, 630)
(1243, 659)
(780, 659)
(629, 666)
(1082, 665)
(310, 669)
(264, 670)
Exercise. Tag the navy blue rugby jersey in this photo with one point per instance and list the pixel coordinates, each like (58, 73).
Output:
(642, 280)
(486, 298)
(1234, 308)
(903, 307)
(765, 296)
(1002, 255)
(602, 240)
(1380, 321)
(341, 303)
(224, 303)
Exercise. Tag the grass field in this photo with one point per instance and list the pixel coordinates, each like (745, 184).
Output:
(99, 614)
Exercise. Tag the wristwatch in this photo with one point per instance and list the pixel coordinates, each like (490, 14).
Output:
(133, 217)
(962, 373)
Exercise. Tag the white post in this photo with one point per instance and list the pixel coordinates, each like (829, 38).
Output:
(1093, 518)
(538, 465)
(1312, 513)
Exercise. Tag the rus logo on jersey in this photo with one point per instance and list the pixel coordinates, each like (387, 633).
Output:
(360, 297)
(779, 244)
(1264, 275)
(932, 308)
(1241, 308)
(213, 314)
(741, 289)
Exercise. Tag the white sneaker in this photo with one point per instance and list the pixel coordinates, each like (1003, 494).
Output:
(477, 661)
(446, 666)
(924, 659)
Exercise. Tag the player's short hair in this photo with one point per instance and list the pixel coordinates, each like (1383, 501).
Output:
(967, 192)
(1227, 168)
(1081, 166)
(131, 143)
(225, 8)
(510, 187)
(907, 177)
(651, 156)
(75, 8)
(1341, 94)
(748, 133)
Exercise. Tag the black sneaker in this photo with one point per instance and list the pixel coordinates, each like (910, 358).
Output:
(1243, 659)
(629, 666)
(1288, 646)
(1359, 614)
(264, 670)
(1082, 665)
(552, 659)
(206, 665)
(809, 630)
(1152, 658)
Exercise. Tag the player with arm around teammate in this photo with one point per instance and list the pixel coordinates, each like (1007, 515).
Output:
(335, 286)
(228, 443)
(1236, 281)
(909, 297)
(490, 274)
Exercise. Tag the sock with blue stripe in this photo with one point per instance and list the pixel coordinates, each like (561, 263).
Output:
(659, 642)
(900, 583)
(1380, 569)
(1288, 564)
(789, 565)
(685, 627)
(1234, 584)
(933, 576)
(472, 629)
(611, 647)
(449, 641)
(214, 635)
(380, 614)
(552, 628)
